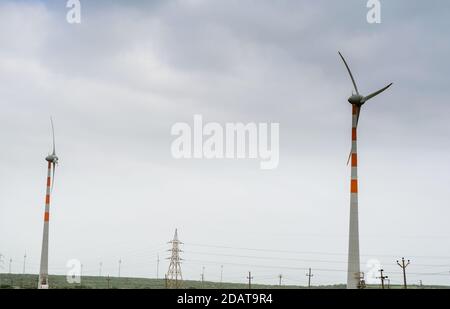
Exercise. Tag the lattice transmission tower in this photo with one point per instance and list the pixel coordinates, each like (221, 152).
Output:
(174, 277)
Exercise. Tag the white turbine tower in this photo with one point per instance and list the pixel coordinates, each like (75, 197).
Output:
(357, 101)
(52, 160)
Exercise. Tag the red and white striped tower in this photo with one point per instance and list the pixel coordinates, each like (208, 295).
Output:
(43, 271)
(353, 274)
(357, 100)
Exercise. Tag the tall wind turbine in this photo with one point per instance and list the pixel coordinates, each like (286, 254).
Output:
(357, 101)
(52, 160)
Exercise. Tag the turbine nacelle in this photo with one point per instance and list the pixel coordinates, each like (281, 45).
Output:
(356, 99)
(52, 159)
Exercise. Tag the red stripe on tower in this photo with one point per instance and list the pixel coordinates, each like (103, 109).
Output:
(354, 186)
(354, 160)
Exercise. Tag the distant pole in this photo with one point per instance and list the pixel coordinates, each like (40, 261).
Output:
(221, 273)
(388, 283)
(108, 279)
(309, 275)
(10, 261)
(157, 267)
(1, 266)
(24, 262)
(100, 269)
(165, 281)
(203, 276)
(403, 266)
(382, 277)
(249, 279)
(81, 275)
(120, 263)
(421, 284)
(280, 277)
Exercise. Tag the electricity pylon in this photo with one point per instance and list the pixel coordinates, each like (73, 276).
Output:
(174, 276)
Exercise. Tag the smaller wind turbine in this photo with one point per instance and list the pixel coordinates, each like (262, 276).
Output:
(52, 160)
(357, 101)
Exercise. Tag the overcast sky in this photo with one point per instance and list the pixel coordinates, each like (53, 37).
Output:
(116, 83)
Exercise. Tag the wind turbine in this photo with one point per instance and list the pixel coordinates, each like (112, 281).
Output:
(357, 101)
(52, 160)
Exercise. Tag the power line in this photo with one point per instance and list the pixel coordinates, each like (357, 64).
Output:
(308, 252)
(291, 267)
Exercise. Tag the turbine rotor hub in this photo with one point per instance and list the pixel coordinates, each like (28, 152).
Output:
(52, 158)
(356, 99)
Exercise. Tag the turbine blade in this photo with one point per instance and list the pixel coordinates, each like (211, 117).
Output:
(53, 134)
(370, 96)
(358, 113)
(349, 157)
(349, 72)
(53, 177)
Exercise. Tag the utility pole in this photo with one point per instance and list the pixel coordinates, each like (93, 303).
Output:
(309, 275)
(100, 269)
(157, 266)
(10, 261)
(1, 265)
(221, 274)
(280, 277)
(249, 279)
(382, 277)
(388, 283)
(403, 266)
(81, 276)
(24, 262)
(202, 276)
(120, 263)
(108, 279)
